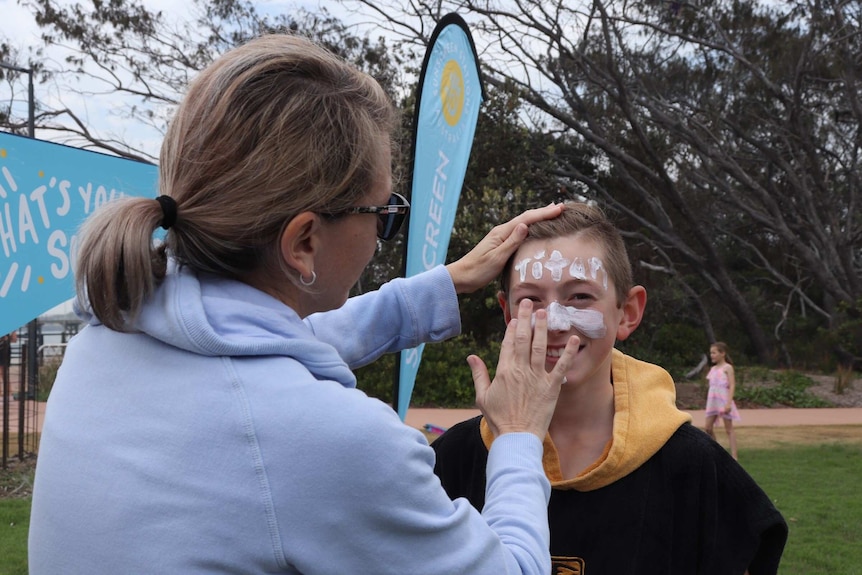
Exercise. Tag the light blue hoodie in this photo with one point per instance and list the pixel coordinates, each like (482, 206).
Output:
(227, 437)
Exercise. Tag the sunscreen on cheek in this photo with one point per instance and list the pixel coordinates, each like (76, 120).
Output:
(589, 322)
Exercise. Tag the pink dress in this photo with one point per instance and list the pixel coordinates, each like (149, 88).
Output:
(716, 398)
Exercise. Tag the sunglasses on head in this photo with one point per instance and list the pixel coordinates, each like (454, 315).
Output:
(389, 217)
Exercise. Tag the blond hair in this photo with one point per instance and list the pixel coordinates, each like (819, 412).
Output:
(590, 222)
(270, 129)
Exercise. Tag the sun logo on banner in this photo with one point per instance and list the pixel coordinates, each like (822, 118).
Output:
(452, 92)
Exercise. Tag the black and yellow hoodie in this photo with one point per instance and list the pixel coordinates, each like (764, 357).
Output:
(663, 498)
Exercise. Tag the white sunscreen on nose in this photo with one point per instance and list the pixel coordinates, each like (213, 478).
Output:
(589, 322)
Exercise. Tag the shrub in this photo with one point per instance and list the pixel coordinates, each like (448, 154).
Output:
(47, 375)
(843, 379)
(443, 380)
(790, 389)
(753, 373)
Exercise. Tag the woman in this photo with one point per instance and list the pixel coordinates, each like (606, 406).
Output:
(206, 420)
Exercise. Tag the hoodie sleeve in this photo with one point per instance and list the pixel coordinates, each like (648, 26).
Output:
(371, 503)
(402, 314)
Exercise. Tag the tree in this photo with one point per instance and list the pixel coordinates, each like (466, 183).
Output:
(725, 136)
(138, 62)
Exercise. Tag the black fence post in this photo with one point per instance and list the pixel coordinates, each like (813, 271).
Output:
(5, 355)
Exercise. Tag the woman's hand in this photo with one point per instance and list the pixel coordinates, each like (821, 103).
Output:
(485, 261)
(523, 395)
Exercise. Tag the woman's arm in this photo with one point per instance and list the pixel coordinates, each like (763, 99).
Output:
(485, 262)
(424, 308)
(400, 315)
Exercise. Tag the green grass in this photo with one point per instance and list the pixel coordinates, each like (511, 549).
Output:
(814, 486)
(14, 523)
(816, 489)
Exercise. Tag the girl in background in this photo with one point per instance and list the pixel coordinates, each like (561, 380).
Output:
(719, 400)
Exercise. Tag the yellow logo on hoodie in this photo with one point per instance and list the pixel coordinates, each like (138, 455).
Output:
(567, 566)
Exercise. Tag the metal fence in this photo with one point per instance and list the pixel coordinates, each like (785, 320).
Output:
(22, 393)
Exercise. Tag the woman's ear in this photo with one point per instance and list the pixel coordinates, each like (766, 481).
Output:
(633, 312)
(300, 242)
(504, 305)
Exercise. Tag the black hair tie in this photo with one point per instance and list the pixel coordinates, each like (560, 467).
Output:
(169, 211)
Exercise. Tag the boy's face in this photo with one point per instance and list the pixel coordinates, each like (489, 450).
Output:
(569, 272)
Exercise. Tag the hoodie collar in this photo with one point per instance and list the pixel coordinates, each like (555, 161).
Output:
(211, 315)
(645, 416)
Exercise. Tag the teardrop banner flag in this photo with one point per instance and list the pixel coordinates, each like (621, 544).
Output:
(449, 95)
(46, 192)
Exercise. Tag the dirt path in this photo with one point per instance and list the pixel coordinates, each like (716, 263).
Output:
(759, 428)
(445, 418)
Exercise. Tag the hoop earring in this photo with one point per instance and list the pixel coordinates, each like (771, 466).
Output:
(309, 282)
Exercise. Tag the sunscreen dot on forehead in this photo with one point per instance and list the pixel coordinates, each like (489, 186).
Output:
(521, 268)
(555, 265)
(537, 270)
(597, 265)
(578, 270)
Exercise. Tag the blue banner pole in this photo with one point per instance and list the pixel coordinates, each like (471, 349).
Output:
(449, 95)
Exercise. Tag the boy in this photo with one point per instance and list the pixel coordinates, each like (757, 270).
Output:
(636, 488)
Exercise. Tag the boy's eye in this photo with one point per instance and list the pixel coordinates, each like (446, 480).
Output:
(537, 302)
(531, 298)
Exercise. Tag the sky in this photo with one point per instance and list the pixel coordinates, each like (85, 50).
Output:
(21, 30)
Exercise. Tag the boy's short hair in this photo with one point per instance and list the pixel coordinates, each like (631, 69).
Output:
(590, 222)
